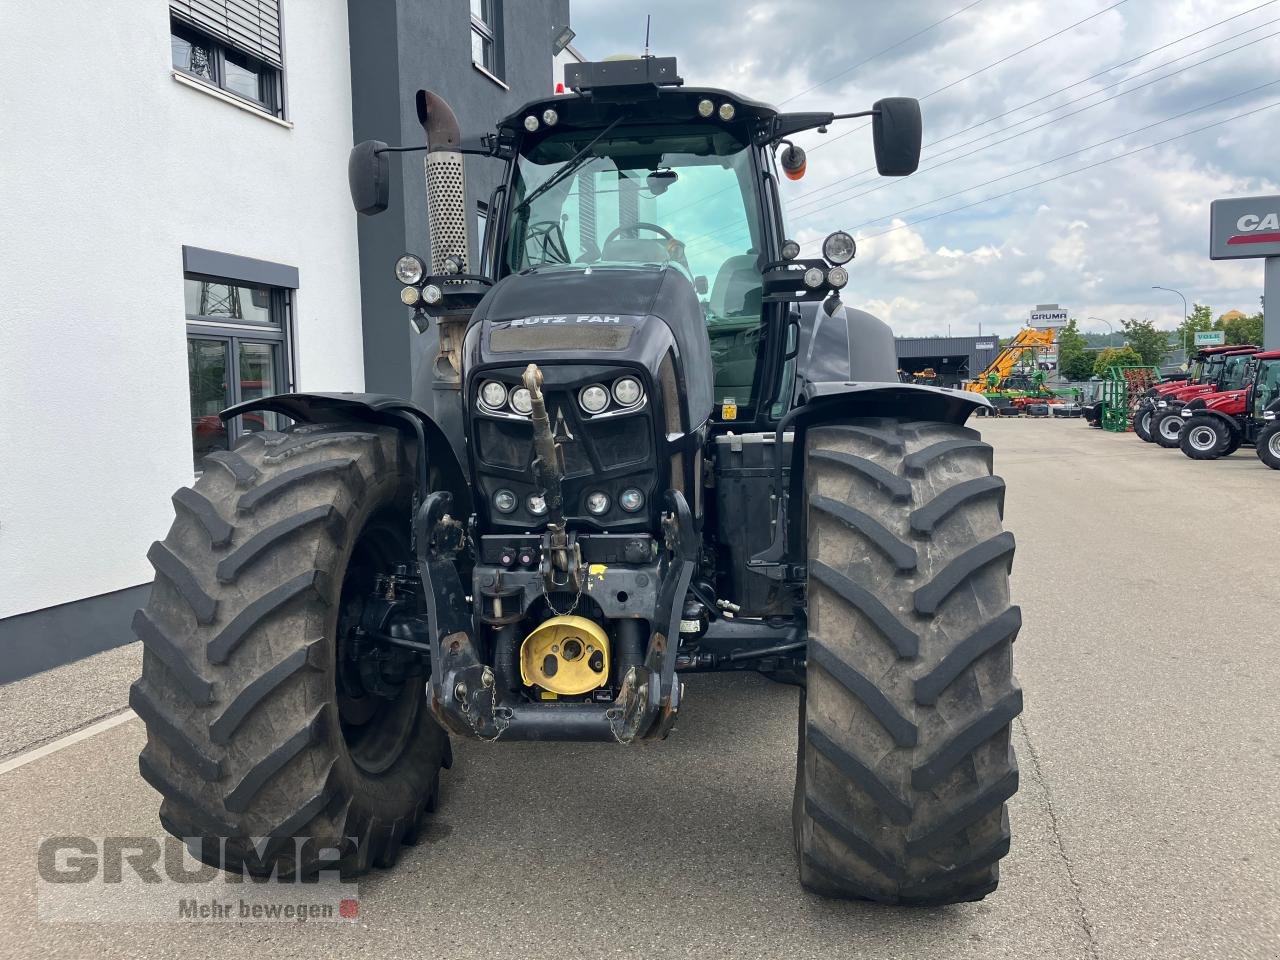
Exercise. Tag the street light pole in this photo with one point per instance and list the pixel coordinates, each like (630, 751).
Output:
(1112, 329)
(1186, 351)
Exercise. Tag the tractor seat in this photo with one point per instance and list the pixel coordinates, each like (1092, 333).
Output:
(738, 288)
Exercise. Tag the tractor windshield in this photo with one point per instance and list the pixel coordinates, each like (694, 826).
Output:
(1233, 378)
(1268, 386)
(684, 198)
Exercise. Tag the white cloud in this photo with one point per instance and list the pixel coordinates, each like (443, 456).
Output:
(1095, 241)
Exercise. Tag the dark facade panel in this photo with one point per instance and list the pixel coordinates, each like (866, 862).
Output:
(397, 48)
(42, 639)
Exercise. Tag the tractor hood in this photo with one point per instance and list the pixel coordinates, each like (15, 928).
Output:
(600, 315)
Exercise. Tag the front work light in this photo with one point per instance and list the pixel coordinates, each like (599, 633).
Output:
(790, 250)
(549, 117)
(521, 401)
(813, 278)
(839, 247)
(706, 108)
(432, 294)
(409, 296)
(493, 394)
(593, 398)
(727, 111)
(531, 123)
(837, 277)
(627, 391)
(409, 269)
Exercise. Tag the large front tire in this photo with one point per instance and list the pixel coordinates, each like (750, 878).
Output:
(905, 758)
(1204, 437)
(1142, 421)
(1269, 446)
(256, 730)
(1166, 428)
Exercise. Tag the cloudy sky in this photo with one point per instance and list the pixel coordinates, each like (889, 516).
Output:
(1131, 75)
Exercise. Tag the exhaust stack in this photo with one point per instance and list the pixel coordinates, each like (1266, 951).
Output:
(446, 183)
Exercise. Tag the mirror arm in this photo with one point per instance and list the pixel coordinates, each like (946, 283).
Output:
(785, 124)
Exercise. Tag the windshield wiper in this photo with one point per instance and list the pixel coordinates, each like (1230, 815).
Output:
(565, 171)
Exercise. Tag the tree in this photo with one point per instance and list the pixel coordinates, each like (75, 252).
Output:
(1241, 329)
(1077, 366)
(1117, 357)
(1151, 345)
(1073, 362)
(1199, 320)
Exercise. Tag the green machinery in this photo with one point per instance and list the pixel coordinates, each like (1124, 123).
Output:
(1120, 391)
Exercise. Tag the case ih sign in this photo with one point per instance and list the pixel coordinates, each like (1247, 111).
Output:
(1244, 227)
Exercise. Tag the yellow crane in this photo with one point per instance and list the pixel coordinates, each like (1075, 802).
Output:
(992, 378)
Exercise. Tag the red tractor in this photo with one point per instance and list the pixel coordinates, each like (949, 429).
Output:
(1224, 370)
(1146, 407)
(1218, 424)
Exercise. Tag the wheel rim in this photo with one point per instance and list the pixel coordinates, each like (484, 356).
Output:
(1203, 438)
(375, 729)
(1274, 444)
(1170, 428)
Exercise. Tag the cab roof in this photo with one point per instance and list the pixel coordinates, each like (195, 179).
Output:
(751, 119)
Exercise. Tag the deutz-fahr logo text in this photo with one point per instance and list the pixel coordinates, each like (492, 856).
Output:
(567, 318)
(1255, 228)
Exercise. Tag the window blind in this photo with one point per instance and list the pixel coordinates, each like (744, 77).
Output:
(252, 26)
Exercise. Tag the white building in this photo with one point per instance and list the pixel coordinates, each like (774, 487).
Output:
(174, 209)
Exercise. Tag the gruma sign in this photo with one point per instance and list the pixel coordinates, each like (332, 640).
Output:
(1048, 315)
(1242, 227)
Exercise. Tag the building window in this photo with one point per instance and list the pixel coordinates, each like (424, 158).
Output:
(233, 45)
(486, 35)
(237, 350)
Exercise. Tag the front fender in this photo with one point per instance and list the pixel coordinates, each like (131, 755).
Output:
(436, 452)
(827, 402)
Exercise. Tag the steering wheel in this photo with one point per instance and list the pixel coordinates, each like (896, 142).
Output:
(675, 248)
(662, 231)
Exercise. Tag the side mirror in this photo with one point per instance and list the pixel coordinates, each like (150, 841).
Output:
(895, 130)
(368, 175)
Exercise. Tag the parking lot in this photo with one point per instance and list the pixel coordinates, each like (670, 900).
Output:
(1145, 826)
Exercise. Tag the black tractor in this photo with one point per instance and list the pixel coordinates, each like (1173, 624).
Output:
(646, 439)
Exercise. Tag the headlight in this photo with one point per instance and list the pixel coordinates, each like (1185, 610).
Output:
(504, 501)
(531, 123)
(493, 394)
(597, 503)
(631, 500)
(790, 250)
(1186, 413)
(409, 296)
(627, 391)
(593, 398)
(814, 278)
(521, 401)
(706, 108)
(409, 269)
(837, 277)
(1161, 404)
(432, 294)
(839, 247)
(1268, 415)
(536, 504)
(549, 117)
(727, 111)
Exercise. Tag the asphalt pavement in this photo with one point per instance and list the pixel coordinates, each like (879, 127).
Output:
(1146, 824)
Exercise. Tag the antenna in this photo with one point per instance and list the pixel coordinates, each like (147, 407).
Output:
(648, 17)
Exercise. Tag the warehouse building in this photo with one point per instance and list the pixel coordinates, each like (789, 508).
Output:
(953, 359)
(179, 237)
